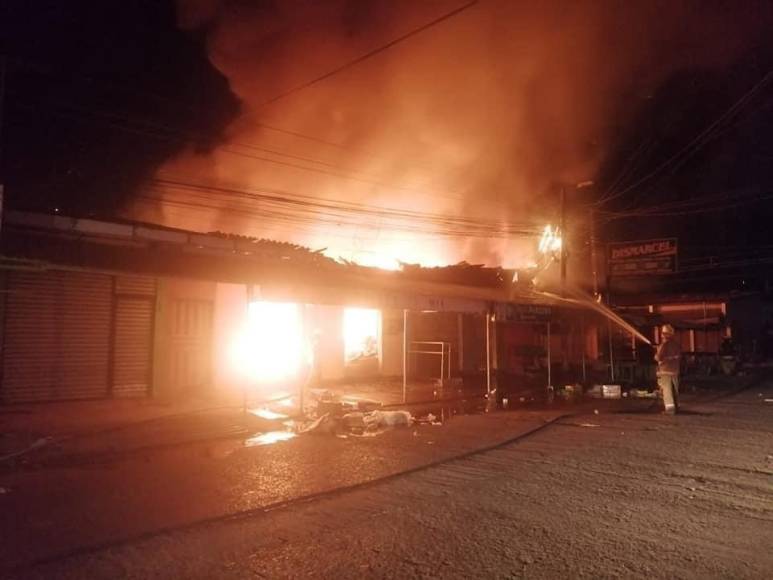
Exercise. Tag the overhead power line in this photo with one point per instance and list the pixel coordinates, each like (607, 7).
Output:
(291, 207)
(369, 54)
(47, 71)
(696, 206)
(628, 170)
(161, 132)
(85, 80)
(287, 205)
(698, 141)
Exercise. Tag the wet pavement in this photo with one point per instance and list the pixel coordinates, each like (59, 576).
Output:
(588, 464)
(109, 497)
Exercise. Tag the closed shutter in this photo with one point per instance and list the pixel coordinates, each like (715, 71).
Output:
(191, 345)
(133, 342)
(57, 336)
(135, 285)
(132, 354)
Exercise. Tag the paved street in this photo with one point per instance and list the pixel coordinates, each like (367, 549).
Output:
(610, 495)
(386, 289)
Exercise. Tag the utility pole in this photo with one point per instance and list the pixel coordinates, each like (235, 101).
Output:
(564, 241)
(593, 264)
(564, 253)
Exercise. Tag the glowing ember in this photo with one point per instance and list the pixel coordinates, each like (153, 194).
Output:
(381, 250)
(361, 332)
(380, 261)
(270, 347)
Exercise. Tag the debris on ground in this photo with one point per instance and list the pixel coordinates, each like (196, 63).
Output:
(329, 414)
(322, 424)
(366, 405)
(571, 393)
(428, 419)
(355, 423)
(611, 391)
(382, 419)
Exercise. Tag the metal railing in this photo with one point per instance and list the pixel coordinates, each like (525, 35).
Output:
(434, 348)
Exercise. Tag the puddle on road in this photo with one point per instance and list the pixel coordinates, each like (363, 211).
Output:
(269, 414)
(275, 421)
(268, 438)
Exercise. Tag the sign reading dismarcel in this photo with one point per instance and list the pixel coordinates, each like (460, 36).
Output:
(643, 258)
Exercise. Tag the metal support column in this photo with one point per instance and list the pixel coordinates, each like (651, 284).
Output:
(460, 340)
(488, 353)
(583, 345)
(442, 367)
(405, 355)
(564, 241)
(593, 260)
(550, 370)
(611, 352)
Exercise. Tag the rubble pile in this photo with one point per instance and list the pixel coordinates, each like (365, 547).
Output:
(361, 418)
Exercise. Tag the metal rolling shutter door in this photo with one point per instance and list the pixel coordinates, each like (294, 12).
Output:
(134, 312)
(57, 335)
(191, 344)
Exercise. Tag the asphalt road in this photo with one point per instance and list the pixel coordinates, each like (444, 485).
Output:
(634, 495)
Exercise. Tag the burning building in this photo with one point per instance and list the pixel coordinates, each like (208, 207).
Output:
(96, 309)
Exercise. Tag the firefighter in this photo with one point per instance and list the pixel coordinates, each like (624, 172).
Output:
(668, 357)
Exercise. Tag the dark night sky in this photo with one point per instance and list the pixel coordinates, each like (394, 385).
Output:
(90, 89)
(99, 94)
(732, 171)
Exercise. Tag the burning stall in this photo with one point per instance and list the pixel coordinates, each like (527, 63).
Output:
(223, 315)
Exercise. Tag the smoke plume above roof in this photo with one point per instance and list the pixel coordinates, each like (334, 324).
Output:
(480, 117)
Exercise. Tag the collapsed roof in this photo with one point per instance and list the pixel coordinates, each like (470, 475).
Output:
(282, 270)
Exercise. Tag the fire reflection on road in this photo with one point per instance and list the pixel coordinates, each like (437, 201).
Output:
(269, 438)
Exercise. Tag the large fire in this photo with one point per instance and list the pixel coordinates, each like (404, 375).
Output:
(412, 155)
(270, 347)
(550, 242)
(361, 330)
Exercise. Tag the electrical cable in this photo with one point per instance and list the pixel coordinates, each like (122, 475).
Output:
(693, 211)
(701, 138)
(58, 74)
(288, 207)
(630, 165)
(369, 54)
(160, 133)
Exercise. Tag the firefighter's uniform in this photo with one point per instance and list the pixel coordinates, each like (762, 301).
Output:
(668, 357)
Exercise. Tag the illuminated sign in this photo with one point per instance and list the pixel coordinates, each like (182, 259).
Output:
(643, 258)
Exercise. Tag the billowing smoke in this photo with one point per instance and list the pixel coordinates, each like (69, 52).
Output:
(480, 117)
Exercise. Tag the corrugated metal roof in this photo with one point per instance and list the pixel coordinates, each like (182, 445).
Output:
(284, 269)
